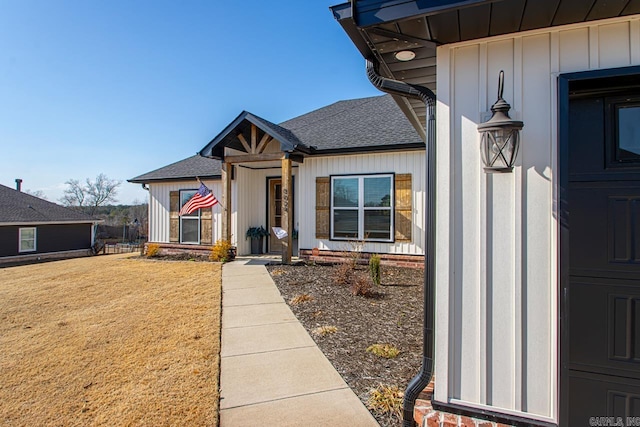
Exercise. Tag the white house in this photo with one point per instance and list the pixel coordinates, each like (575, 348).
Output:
(351, 171)
(536, 271)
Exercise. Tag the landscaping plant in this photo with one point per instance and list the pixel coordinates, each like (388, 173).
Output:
(374, 269)
(153, 250)
(298, 299)
(387, 351)
(220, 251)
(361, 285)
(343, 274)
(324, 330)
(386, 399)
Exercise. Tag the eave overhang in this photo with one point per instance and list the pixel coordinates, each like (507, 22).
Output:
(172, 179)
(379, 29)
(52, 222)
(241, 128)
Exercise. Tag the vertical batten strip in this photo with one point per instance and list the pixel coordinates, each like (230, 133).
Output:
(555, 60)
(594, 48)
(519, 189)
(483, 226)
(634, 41)
(445, 238)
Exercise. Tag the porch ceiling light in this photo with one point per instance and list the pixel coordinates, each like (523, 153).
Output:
(500, 136)
(405, 55)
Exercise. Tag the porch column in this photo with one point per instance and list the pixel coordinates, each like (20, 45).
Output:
(226, 197)
(287, 209)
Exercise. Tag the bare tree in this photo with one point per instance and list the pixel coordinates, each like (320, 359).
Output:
(36, 193)
(89, 196)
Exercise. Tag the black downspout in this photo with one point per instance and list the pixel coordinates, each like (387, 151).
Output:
(423, 378)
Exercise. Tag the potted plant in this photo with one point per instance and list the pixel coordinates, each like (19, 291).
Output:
(257, 235)
(294, 238)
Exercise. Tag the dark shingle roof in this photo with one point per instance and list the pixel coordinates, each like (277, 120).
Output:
(188, 168)
(365, 124)
(242, 125)
(356, 125)
(21, 208)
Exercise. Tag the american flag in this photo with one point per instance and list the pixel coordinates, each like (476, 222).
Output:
(204, 198)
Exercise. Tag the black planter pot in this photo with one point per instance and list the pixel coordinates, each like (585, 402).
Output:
(256, 246)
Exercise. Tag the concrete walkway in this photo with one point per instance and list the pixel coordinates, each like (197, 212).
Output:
(272, 373)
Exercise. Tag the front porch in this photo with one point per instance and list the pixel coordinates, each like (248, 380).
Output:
(258, 161)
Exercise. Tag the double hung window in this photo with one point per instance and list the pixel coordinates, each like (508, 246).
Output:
(189, 224)
(27, 239)
(362, 207)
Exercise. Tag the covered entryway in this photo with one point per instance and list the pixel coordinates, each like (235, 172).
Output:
(600, 246)
(275, 213)
(249, 148)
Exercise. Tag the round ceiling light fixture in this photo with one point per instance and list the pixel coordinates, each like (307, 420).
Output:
(405, 55)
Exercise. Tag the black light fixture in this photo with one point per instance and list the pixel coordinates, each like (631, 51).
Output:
(500, 136)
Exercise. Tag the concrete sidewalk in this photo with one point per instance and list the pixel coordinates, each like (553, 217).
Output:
(272, 373)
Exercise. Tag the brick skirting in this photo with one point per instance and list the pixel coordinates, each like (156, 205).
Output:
(335, 257)
(50, 256)
(177, 249)
(425, 416)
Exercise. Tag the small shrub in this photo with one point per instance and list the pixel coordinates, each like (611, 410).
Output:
(153, 250)
(220, 251)
(343, 274)
(374, 269)
(298, 299)
(324, 330)
(361, 285)
(277, 272)
(353, 252)
(386, 399)
(387, 351)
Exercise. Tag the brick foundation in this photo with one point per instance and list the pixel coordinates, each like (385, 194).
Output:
(425, 416)
(177, 249)
(335, 257)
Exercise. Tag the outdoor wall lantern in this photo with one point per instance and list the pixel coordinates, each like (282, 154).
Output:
(500, 136)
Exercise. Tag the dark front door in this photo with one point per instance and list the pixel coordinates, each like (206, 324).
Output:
(600, 374)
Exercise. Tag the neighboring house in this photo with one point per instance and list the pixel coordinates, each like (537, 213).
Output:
(349, 172)
(34, 229)
(536, 272)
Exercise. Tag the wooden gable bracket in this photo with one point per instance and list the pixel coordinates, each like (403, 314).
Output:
(255, 146)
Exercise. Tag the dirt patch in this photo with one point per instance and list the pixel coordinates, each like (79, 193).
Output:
(393, 316)
(110, 340)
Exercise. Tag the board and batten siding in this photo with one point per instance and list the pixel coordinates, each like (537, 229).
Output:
(403, 162)
(251, 198)
(497, 234)
(248, 205)
(159, 207)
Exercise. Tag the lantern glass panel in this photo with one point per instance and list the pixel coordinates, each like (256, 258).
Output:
(499, 148)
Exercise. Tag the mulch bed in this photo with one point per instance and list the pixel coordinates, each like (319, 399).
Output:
(392, 316)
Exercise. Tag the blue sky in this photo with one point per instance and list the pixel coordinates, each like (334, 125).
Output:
(126, 87)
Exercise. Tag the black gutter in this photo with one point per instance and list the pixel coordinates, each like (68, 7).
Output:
(175, 178)
(370, 149)
(423, 378)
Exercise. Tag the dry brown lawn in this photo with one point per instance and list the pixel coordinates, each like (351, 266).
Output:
(110, 340)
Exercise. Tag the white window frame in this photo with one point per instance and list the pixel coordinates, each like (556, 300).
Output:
(361, 208)
(194, 216)
(21, 239)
